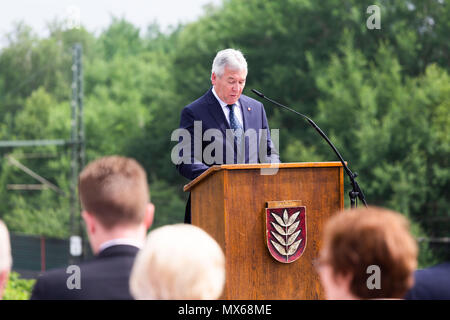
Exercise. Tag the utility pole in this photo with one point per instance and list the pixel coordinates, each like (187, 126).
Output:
(77, 147)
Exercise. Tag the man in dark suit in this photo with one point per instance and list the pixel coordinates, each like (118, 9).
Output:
(224, 126)
(116, 210)
(431, 283)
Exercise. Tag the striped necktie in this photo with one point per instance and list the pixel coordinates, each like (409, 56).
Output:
(234, 121)
(238, 131)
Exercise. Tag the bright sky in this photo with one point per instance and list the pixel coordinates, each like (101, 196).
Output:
(95, 15)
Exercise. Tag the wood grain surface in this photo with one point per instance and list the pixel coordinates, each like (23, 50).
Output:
(229, 203)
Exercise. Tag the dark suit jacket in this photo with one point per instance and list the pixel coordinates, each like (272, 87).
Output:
(208, 110)
(103, 278)
(431, 283)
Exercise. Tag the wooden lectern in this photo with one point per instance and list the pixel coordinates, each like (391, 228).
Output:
(229, 202)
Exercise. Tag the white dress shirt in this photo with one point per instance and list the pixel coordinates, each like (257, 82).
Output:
(115, 242)
(226, 110)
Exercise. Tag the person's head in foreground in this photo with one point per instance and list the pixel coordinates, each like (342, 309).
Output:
(178, 262)
(114, 195)
(5, 257)
(367, 254)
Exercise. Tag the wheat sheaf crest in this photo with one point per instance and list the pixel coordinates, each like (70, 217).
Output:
(286, 234)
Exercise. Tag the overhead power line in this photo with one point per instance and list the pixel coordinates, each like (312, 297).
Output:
(32, 143)
(33, 174)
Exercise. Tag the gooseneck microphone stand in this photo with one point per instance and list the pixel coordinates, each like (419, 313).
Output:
(356, 192)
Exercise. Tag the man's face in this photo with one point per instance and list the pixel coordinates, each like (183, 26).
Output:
(230, 85)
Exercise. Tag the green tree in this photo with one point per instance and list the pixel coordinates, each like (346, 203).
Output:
(382, 96)
(18, 288)
(392, 127)
(121, 38)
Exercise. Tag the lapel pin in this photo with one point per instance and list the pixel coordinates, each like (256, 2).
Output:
(249, 109)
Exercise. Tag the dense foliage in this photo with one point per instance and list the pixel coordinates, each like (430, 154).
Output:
(382, 96)
(18, 288)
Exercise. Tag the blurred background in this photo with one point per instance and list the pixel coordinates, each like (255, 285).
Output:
(80, 80)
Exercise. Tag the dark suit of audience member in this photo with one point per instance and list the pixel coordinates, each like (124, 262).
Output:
(105, 277)
(431, 283)
(117, 213)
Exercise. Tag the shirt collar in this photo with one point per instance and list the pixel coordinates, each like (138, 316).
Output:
(120, 241)
(222, 104)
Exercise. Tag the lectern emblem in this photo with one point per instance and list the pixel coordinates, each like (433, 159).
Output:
(286, 233)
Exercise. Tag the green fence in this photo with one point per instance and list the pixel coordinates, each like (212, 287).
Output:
(35, 254)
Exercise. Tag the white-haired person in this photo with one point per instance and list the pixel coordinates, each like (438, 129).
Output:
(178, 262)
(5, 257)
(223, 111)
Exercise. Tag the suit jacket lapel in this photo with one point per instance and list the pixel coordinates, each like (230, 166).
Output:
(216, 112)
(245, 114)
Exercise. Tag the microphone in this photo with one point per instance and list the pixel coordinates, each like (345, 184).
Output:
(356, 190)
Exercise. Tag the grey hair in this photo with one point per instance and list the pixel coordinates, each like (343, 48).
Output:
(231, 58)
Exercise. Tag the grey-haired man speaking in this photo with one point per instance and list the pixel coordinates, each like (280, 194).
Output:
(224, 125)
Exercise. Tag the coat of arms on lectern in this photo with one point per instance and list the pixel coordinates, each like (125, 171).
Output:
(286, 232)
